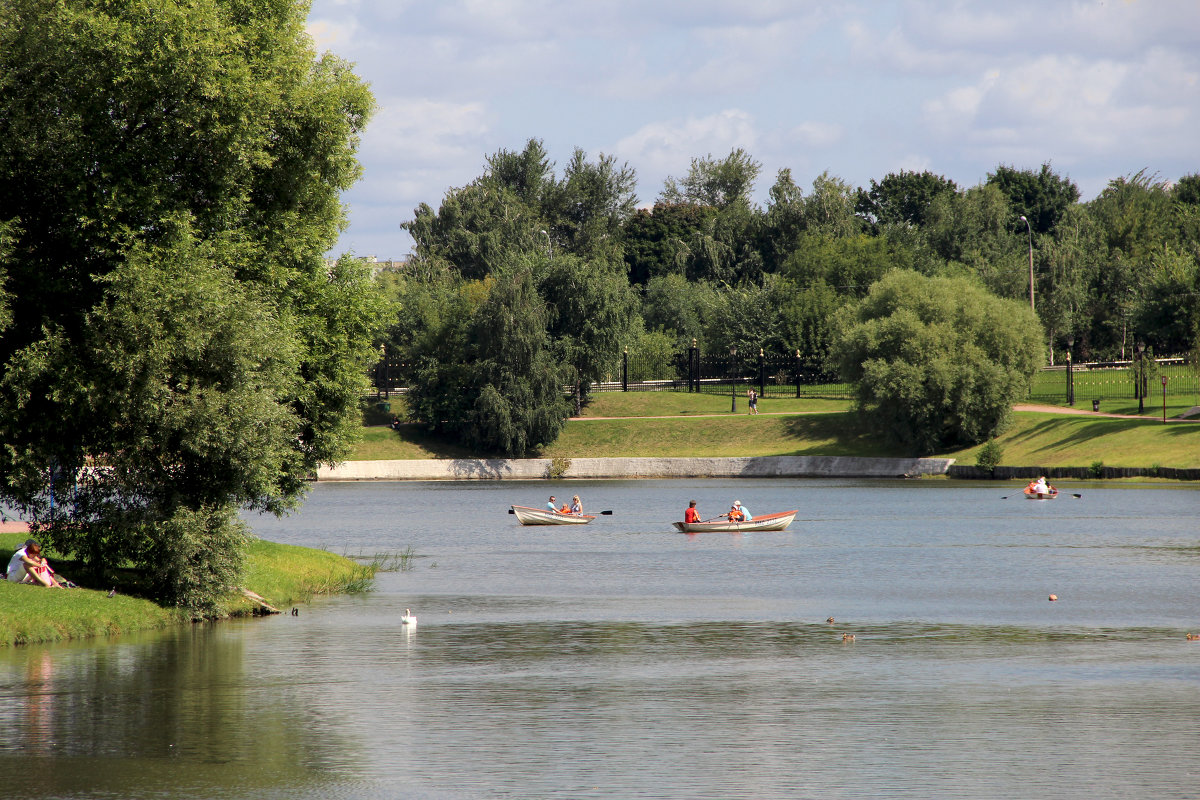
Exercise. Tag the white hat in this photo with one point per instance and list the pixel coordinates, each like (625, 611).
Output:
(737, 502)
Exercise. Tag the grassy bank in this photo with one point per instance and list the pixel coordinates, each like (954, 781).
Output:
(659, 424)
(282, 574)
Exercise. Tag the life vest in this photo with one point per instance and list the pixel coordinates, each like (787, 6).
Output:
(691, 515)
(736, 515)
(565, 510)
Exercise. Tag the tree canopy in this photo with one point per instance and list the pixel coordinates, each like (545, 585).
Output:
(171, 174)
(936, 362)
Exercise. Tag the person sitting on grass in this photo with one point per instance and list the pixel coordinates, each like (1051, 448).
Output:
(28, 565)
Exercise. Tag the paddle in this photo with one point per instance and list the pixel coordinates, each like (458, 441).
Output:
(599, 513)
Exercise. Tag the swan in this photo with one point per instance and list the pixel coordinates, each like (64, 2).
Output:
(408, 618)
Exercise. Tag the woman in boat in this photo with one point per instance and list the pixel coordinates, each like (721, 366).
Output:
(576, 506)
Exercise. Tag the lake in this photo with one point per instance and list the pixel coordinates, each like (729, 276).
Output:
(621, 659)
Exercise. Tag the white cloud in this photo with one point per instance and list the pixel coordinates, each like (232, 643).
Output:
(418, 130)
(331, 34)
(1099, 87)
(669, 147)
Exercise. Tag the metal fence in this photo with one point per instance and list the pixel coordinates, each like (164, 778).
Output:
(1171, 378)
(771, 374)
(793, 375)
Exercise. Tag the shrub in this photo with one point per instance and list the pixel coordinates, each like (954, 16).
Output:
(989, 455)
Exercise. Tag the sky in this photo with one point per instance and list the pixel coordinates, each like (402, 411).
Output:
(1099, 89)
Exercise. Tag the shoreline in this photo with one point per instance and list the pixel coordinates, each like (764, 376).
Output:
(468, 469)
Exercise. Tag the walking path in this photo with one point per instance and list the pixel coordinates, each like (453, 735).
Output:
(1192, 415)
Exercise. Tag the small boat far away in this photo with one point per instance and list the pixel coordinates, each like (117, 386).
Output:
(766, 522)
(1032, 495)
(544, 516)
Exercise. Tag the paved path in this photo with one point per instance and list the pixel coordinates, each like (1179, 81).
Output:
(1019, 407)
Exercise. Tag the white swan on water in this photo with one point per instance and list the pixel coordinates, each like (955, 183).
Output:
(408, 618)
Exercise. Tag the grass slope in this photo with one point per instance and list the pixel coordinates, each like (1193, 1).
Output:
(658, 424)
(283, 574)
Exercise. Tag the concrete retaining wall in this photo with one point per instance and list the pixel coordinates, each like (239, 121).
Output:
(602, 468)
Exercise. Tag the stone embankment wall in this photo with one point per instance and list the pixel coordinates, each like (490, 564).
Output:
(612, 468)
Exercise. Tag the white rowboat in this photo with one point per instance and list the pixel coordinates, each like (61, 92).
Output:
(544, 516)
(766, 522)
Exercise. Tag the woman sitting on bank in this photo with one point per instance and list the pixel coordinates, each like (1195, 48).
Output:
(28, 565)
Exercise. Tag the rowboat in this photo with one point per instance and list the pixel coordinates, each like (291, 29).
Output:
(544, 516)
(766, 522)
(1032, 495)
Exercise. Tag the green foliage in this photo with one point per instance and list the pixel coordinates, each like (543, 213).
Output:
(194, 556)
(176, 170)
(676, 306)
(902, 199)
(591, 311)
(936, 361)
(715, 182)
(1042, 197)
(990, 455)
(486, 373)
(660, 242)
(974, 231)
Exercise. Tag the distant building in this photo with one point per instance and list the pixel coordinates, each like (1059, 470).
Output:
(375, 264)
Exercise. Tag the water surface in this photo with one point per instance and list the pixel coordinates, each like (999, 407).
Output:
(622, 659)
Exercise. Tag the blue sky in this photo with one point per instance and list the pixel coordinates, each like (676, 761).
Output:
(1100, 89)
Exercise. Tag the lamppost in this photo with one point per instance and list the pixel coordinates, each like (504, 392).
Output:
(550, 246)
(733, 378)
(1140, 377)
(1070, 377)
(1029, 231)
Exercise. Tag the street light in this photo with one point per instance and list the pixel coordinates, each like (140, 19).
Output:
(1140, 388)
(1070, 377)
(1029, 231)
(733, 378)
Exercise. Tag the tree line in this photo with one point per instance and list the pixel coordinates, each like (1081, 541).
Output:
(529, 278)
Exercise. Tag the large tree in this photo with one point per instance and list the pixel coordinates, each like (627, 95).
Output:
(179, 347)
(936, 362)
(901, 199)
(1042, 197)
(715, 182)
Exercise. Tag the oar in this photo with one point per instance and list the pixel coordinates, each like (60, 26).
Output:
(1076, 495)
(598, 513)
(714, 519)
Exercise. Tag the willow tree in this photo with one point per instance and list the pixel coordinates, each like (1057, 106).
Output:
(170, 172)
(936, 362)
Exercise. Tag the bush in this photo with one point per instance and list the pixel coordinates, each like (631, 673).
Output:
(989, 455)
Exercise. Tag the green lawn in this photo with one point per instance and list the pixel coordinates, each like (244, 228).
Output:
(283, 574)
(682, 424)
(1050, 440)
